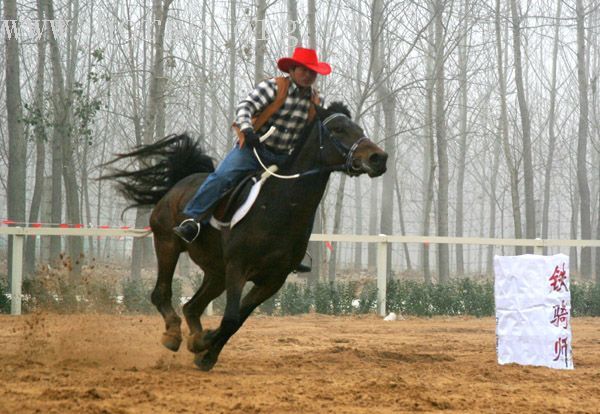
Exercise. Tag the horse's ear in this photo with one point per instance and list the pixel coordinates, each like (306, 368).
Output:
(321, 111)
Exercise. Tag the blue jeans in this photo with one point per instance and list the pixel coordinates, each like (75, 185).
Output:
(235, 166)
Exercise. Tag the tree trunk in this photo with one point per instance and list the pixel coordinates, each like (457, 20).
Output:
(358, 229)
(492, 204)
(402, 225)
(462, 143)
(551, 133)
(294, 38)
(154, 106)
(260, 44)
(373, 209)
(442, 145)
(40, 153)
(358, 219)
(85, 193)
(511, 164)
(386, 99)
(60, 104)
(582, 178)
(573, 257)
(337, 222)
(428, 172)
(17, 147)
(231, 43)
(530, 224)
(75, 244)
(312, 25)
(203, 77)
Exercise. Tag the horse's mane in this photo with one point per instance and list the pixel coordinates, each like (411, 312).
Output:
(338, 107)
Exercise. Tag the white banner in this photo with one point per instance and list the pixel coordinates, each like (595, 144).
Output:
(533, 310)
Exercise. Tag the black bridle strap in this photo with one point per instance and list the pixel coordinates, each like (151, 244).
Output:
(343, 150)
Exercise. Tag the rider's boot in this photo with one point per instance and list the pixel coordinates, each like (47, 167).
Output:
(302, 268)
(188, 230)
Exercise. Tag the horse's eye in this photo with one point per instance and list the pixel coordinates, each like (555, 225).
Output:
(337, 130)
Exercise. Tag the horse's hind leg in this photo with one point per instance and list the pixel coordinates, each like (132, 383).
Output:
(257, 295)
(167, 253)
(212, 286)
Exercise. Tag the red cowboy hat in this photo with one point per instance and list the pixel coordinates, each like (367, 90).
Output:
(304, 57)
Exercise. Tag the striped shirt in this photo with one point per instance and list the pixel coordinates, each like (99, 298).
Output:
(288, 120)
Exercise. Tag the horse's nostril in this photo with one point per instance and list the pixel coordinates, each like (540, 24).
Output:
(377, 160)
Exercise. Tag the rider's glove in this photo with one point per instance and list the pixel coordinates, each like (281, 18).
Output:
(250, 137)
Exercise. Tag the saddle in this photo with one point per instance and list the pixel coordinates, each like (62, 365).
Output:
(231, 201)
(235, 204)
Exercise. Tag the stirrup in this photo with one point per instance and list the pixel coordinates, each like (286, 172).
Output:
(182, 235)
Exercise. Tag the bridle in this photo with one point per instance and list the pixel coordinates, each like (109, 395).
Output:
(345, 151)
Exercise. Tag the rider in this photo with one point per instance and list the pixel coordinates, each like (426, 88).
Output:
(282, 102)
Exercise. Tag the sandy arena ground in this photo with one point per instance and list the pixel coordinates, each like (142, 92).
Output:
(307, 364)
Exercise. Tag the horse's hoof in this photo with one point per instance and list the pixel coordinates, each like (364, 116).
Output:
(203, 362)
(170, 341)
(199, 342)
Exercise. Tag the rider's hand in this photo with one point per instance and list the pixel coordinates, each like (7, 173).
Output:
(250, 137)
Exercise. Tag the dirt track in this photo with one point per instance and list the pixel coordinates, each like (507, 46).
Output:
(311, 363)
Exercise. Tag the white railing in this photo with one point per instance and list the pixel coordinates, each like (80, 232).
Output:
(382, 240)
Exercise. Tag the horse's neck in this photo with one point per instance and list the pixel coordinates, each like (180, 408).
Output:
(308, 154)
(306, 190)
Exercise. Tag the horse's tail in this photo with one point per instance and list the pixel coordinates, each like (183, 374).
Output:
(161, 166)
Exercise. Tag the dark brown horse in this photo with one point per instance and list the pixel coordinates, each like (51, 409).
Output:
(264, 247)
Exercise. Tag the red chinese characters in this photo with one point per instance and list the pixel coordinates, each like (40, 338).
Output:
(558, 279)
(561, 349)
(561, 316)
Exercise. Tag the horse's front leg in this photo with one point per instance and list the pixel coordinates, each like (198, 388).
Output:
(167, 253)
(257, 295)
(215, 340)
(213, 285)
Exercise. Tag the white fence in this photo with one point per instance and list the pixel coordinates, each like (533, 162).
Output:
(382, 240)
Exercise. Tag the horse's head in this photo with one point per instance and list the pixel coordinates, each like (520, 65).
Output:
(344, 143)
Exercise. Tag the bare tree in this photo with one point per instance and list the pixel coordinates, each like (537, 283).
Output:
(463, 61)
(17, 149)
(525, 126)
(260, 43)
(337, 222)
(62, 151)
(402, 224)
(153, 110)
(386, 99)
(582, 178)
(428, 155)
(231, 43)
(40, 139)
(358, 219)
(315, 249)
(512, 165)
(293, 25)
(441, 143)
(551, 124)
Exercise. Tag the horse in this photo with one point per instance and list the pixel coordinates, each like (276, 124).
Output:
(264, 247)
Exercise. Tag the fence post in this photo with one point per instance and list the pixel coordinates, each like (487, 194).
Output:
(382, 250)
(16, 275)
(538, 249)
